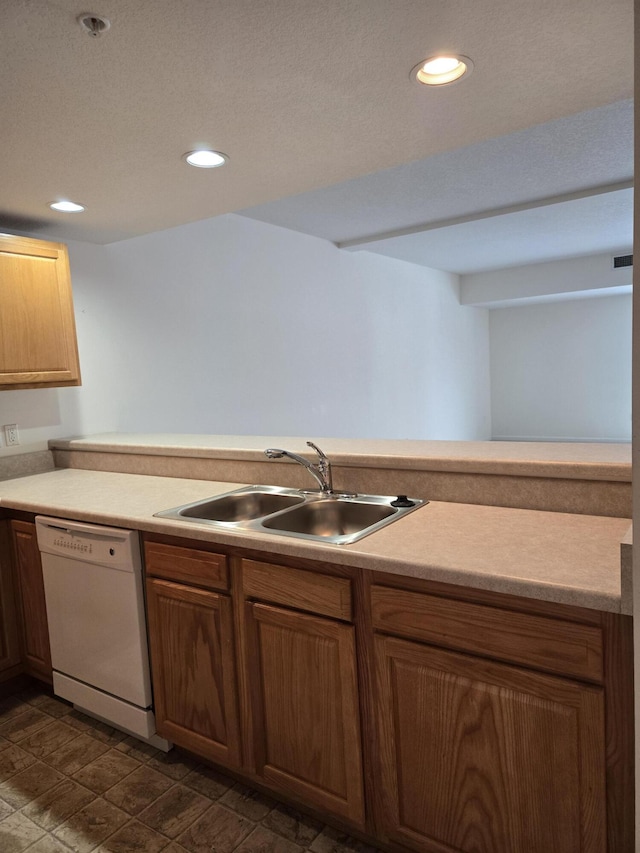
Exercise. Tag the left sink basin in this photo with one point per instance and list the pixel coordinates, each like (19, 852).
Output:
(242, 505)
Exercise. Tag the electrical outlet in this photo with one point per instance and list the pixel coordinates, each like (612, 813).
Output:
(11, 434)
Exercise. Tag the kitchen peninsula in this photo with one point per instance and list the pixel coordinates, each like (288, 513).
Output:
(505, 617)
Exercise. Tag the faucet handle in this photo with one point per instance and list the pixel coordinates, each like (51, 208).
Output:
(320, 453)
(324, 468)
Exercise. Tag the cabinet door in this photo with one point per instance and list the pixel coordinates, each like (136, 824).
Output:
(37, 326)
(35, 629)
(9, 643)
(192, 662)
(302, 672)
(483, 757)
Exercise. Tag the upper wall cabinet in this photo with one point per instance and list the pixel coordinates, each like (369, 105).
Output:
(37, 328)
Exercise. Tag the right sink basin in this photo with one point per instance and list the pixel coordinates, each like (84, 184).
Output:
(330, 518)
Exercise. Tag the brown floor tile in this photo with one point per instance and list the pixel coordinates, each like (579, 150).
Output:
(17, 833)
(13, 760)
(173, 764)
(292, 825)
(29, 784)
(174, 811)
(208, 782)
(139, 789)
(54, 707)
(48, 844)
(262, 840)
(76, 754)
(134, 837)
(128, 797)
(79, 721)
(58, 804)
(22, 725)
(332, 841)
(97, 729)
(11, 706)
(91, 826)
(35, 695)
(48, 739)
(106, 771)
(137, 749)
(247, 802)
(106, 734)
(218, 829)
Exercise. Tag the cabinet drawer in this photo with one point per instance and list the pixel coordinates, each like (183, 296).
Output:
(553, 645)
(315, 593)
(186, 564)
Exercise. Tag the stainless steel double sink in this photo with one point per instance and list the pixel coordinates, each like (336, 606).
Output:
(334, 518)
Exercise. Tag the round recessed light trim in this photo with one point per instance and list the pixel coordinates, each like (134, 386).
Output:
(442, 69)
(205, 158)
(66, 206)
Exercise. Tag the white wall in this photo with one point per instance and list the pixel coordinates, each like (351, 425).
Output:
(234, 326)
(562, 370)
(590, 275)
(46, 413)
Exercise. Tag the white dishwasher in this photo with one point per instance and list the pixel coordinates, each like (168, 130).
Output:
(97, 629)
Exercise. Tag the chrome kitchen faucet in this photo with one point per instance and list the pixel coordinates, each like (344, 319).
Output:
(321, 471)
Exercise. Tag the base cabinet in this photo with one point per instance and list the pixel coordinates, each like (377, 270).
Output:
(10, 657)
(193, 668)
(425, 717)
(33, 608)
(482, 757)
(305, 709)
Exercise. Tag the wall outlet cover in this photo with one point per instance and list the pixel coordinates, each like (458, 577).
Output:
(11, 434)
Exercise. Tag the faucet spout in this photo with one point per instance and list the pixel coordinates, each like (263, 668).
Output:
(321, 471)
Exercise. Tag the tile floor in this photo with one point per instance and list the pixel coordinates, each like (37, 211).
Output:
(70, 783)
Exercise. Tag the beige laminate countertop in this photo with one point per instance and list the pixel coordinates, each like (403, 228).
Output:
(572, 559)
(572, 460)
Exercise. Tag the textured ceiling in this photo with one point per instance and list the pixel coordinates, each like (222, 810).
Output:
(301, 95)
(503, 202)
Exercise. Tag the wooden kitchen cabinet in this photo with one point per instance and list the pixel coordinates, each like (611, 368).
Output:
(10, 657)
(38, 346)
(426, 717)
(491, 727)
(192, 656)
(33, 608)
(483, 757)
(301, 671)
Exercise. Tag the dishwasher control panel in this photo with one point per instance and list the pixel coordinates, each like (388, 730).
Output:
(90, 543)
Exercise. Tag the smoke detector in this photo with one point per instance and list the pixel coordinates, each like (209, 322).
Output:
(93, 25)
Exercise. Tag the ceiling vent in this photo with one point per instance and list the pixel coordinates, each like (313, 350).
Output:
(93, 25)
(620, 261)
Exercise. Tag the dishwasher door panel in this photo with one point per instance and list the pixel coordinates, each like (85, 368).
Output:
(97, 626)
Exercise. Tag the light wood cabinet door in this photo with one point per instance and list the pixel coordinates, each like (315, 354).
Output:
(304, 701)
(484, 757)
(37, 327)
(192, 661)
(34, 625)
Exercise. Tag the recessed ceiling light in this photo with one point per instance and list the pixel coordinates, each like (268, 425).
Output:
(205, 158)
(66, 206)
(438, 70)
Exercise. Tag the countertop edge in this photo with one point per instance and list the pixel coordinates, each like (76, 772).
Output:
(357, 555)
